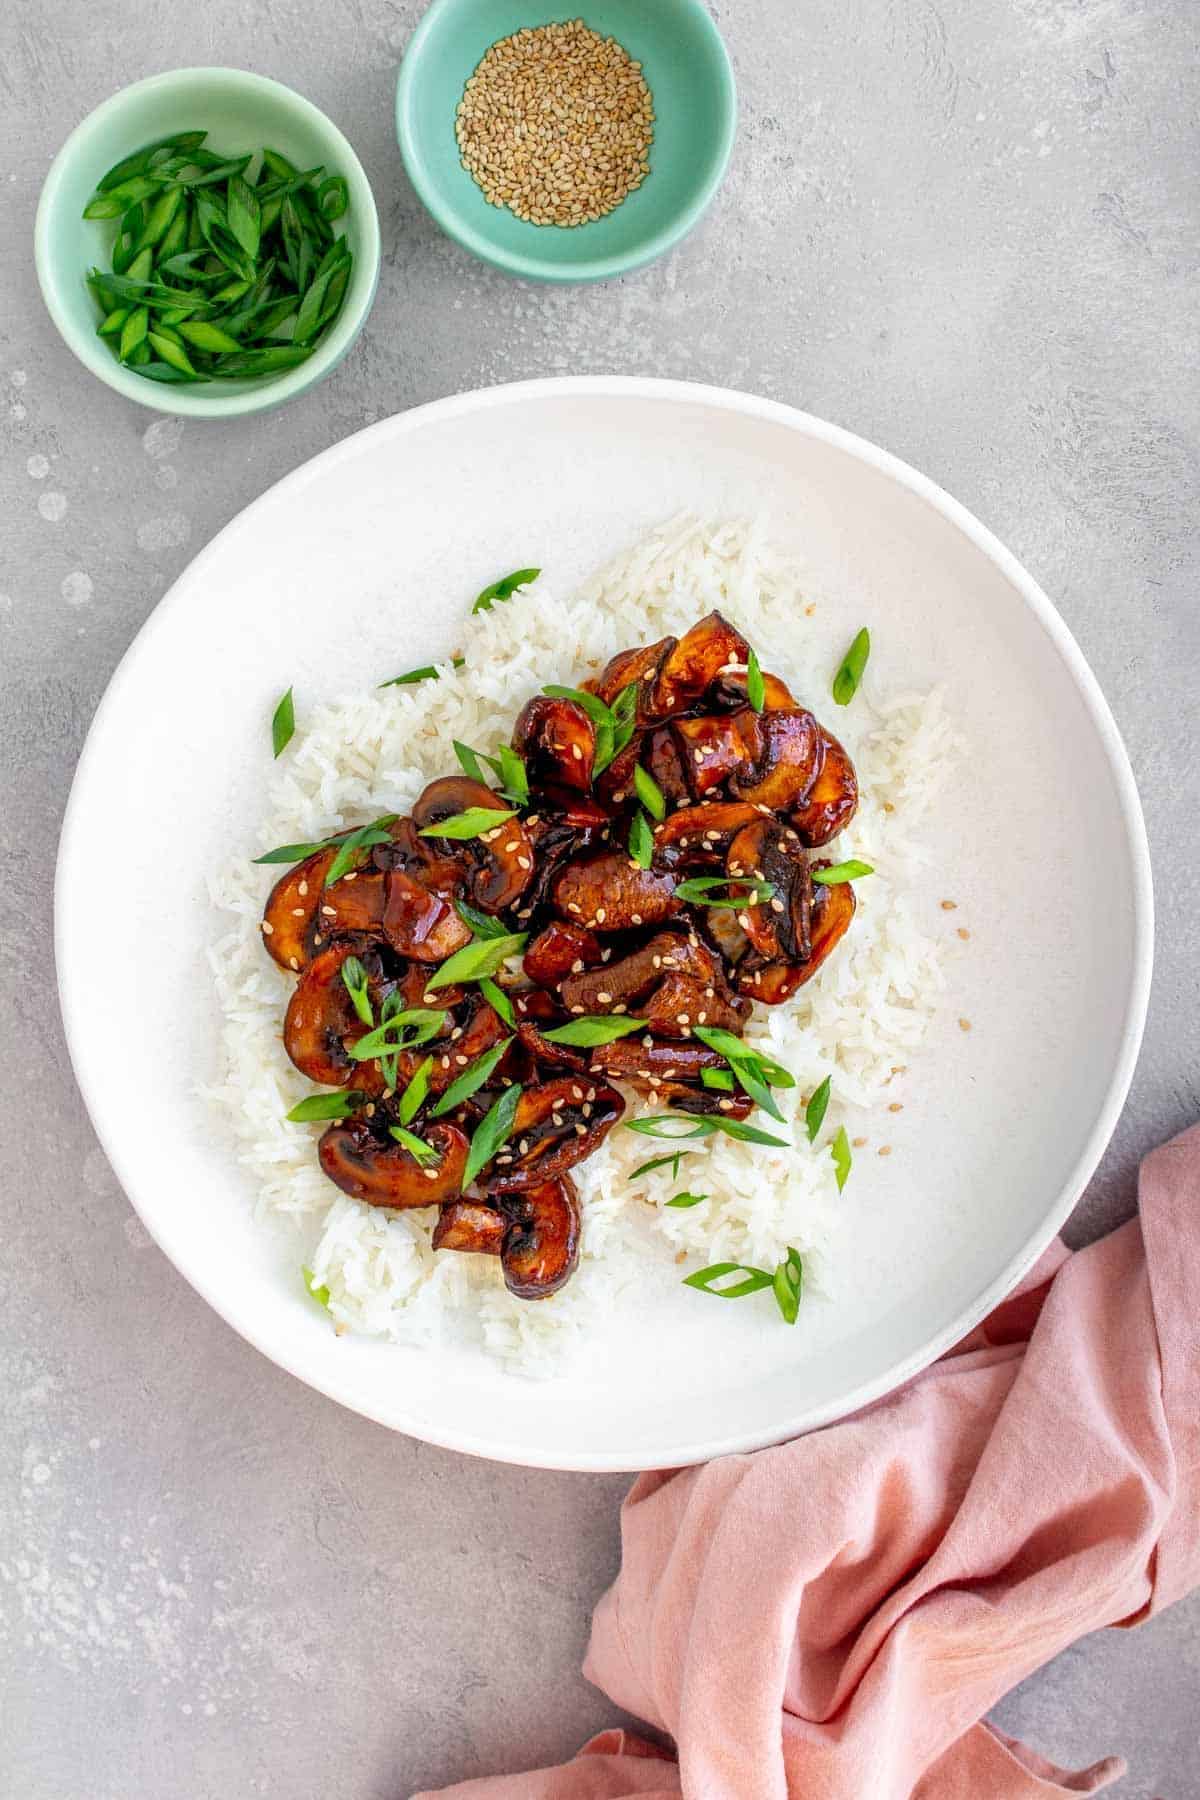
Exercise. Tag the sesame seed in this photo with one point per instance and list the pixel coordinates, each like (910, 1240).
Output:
(268, 928)
(350, 875)
(318, 940)
(885, 1150)
(601, 915)
(647, 1042)
(430, 1174)
(701, 1017)
(635, 918)
(557, 1118)
(858, 1142)
(963, 933)
(572, 907)
(524, 862)
(964, 1024)
(294, 961)
(776, 904)
(949, 905)
(603, 998)
(462, 1060)
(576, 752)
(523, 1146)
(302, 889)
(369, 1111)
(456, 1033)
(298, 911)
(329, 911)
(683, 1019)
(577, 966)
(725, 1105)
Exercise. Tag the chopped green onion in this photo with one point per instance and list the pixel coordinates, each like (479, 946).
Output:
(721, 1079)
(814, 1112)
(283, 721)
(484, 925)
(843, 871)
(599, 1028)
(413, 1097)
(355, 978)
(701, 891)
(493, 1130)
(319, 1292)
(392, 1034)
(514, 780)
(293, 853)
(706, 1280)
(840, 1152)
(427, 672)
(749, 1069)
(499, 1001)
(504, 589)
(416, 1147)
(787, 1282)
(684, 1201)
(702, 1127)
(474, 1076)
(649, 793)
(325, 1106)
(756, 693)
(349, 847)
(641, 841)
(624, 717)
(660, 1162)
(845, 682)
(483, 957)
(469, 762)
(473, 823)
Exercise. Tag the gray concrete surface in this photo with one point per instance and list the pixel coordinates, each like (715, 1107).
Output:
(967, 230)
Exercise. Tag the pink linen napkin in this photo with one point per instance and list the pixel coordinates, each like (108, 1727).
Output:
(832, 1618)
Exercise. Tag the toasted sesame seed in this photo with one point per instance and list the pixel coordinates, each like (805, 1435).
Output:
(576, 752)
(647, 1042)
(524, 862)
(858, 1142)
(949, 905)
(430, 1174)
(681, 1256)
(298, 911)
(294, 961)
(964, 1024)
(329, 911)
(531, 820)
(318, 940)
(350, 875)
(557, 1118)
(581, 1130)
(725, 1105)
(572, 907)
(601, 915)
(701, 1017)
(683, 1019)
(302, 889)
(963, 933)
(888, 807)
(268, 928)
(578, 1009)
(577, 966)
(603, 998)
(885, 1150)
(369, 1111)
(635, 918)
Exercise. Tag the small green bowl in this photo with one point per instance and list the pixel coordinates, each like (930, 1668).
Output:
(687, 70)
(241, 112)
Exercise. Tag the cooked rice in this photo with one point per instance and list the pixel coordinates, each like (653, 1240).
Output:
(863, 1016)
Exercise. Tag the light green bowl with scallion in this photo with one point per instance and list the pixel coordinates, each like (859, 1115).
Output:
(240, 111)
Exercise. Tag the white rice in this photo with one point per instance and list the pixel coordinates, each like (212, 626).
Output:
(860, 1019)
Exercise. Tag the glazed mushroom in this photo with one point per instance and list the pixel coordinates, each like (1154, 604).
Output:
(788, 764)
(557, 742)
(777, 927)
(353, 906)
(561, 950)
(832, 800)
(708, 650)
(626, 982)
(557, 1125)
(321, 1020)
(606, 892)
(699, 836)
(671, 1074)
(541, 1245)
(291, 910)
(383, 1172)
(470, 1225)
(773, 982)
(719, 748)
(641, 665)
(499, 864)
(419, 923)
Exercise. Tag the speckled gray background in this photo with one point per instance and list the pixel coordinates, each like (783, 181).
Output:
(968, 231)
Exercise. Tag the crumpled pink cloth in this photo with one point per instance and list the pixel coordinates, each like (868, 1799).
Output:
(832, 1618)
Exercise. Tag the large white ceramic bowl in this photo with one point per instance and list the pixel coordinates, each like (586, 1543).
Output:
(366, 559)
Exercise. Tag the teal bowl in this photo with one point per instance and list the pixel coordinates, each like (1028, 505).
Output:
(241, 112)
(687, 69)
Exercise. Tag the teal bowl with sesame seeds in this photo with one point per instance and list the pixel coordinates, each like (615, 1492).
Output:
(241, 111)
(686, 66)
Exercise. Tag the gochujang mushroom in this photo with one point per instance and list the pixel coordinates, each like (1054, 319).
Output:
(659, 932)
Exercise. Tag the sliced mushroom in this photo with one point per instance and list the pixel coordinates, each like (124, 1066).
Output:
(541, 1245)
(773, 982)
(690, 669)
(472, 1226)
(557, 836)
(607, 892)
(561, 950)
(500, 863)
(479, 1029)
(671, 1074)
(557, 1124)
(420, 923)
(536, 1011)
(291, 909)
(382, 1172)
(789, 763)
(833, 798)
(627, 981)
(729, 691)
(641, 665)
(718, 748)
(699, 836)
(353, 906)
(557, 740)
(779, 926)
(321, 1021)
(663, 759)
(680, 1003)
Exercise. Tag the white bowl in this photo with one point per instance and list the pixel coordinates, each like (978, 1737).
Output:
(367, 559)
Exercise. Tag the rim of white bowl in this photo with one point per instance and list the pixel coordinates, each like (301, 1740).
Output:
(676, 1455)
(181, 400)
